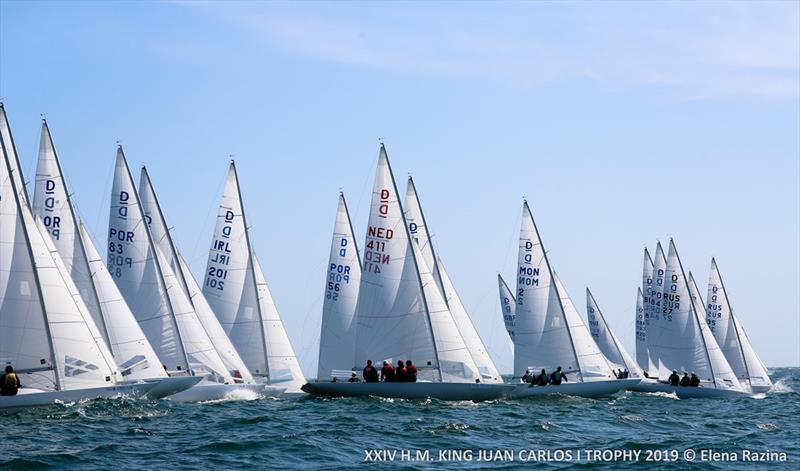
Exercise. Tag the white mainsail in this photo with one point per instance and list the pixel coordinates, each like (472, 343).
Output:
(13, 157)
(401, 313)
(653, 309)
(605, 338)
(163, 240)
(419, 230)
(643, 315)
(508, 305)
(46, 331)
(151, 288)
(237, 292)
(722, 373)
(338, 333)
(52, 204)
(730, 334)
(542, 337)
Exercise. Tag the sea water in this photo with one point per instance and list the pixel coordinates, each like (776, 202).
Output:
(629, 430)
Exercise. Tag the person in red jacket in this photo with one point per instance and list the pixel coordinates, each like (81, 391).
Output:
(387, 372)
(370, 373)
(400, 372)
(411, 372)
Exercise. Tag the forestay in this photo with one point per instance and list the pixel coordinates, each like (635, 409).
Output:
(237, 292)
(338, 333)
(222, 346)
(13, 158)
(542, 338)
(53, 205)
(419, 230)
(604, 337)
(46, 331)
(401, 313)
(730, 335)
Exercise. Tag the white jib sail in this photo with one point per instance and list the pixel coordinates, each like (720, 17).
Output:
(542, 337)
(419, 230)
(729, 334)
(653, 308)
(592, 363)
(643, 315)
(132, 263)
(605, 338)
(723, 374)
(337, 340)
(54, 208)
(508, 306)
(46, 331)
(394, 320)
(205, 316)
(237, 292)
(677, 336)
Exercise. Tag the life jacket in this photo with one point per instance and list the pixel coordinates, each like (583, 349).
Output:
(411, 374)
(555, 378)
(401, 374)
(542, 380)
(370, 374)
(388, 372)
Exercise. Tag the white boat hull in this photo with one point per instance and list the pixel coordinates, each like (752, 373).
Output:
(39, 398)
(584, 389)
(210, 391)
(168, 386)
(686, 392)
(420, 390)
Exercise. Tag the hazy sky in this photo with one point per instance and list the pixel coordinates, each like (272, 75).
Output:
(622, 123)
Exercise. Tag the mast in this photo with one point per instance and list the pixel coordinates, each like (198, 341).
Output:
(555, 286)
(77, 230)
(416, 262)
(350, 223)
(154, 249)
(435, 267)
(39, 293)
(733, 319)
(252, 271)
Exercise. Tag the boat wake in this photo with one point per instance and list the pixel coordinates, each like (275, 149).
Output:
(667, 395)
(781, 387)
(235, 395)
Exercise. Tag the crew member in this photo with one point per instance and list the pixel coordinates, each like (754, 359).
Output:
(387, 372)
(411, 372)
(9, 382)
(694, 381)
(557, 376)
(370, 373)
(673, 379)
(526, 378)
(400, 372)
(354, 378)
(542, 379)
(685, 380)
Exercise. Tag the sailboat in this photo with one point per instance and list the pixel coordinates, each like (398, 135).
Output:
(53, 205)
(337, 341)
(548, 330)
(48, 334)
(643, 315)
(420, 231)
(402, 314)
(730, 335)
(684, 341)
(156, 297)
(240, 378)
(606, 340)
(237, 292)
